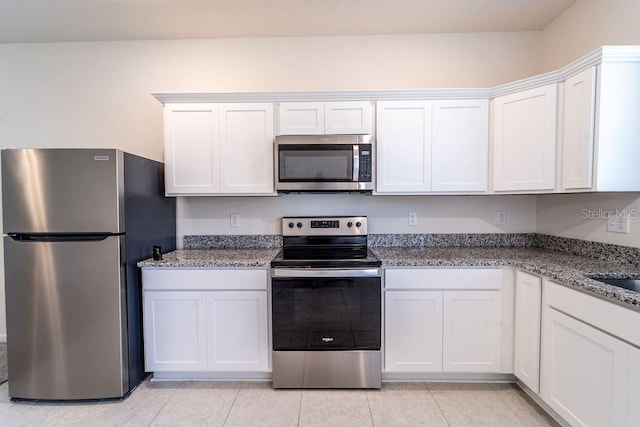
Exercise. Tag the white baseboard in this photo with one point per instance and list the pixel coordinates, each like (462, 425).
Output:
(211, 376)
(446, 377)
(533, 396)
(3, 337)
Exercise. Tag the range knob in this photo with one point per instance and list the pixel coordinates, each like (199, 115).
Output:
(358, 224)
(349, 224)
(290, 225)
(299, 225)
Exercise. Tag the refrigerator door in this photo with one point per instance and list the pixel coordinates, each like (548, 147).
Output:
(66, 319)
(62, 191)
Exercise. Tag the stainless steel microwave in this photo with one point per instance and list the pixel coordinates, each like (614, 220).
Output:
(328, 163)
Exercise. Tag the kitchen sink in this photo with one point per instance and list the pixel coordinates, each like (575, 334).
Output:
(630, 284)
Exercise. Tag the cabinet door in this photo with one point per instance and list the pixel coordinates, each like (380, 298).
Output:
(527, 330)
(633, 394)
(472, 331)
(175, 331)
(460, 146)
(583, 372)
(191, 148)
(238, 331)
(524, 140)
(403, 146)
(578, 130)
(413, 331)
(301, 118)
(347, 118)
(246, 148)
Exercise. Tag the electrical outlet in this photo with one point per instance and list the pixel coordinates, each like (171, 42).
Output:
(501, 217)
(618, 223)
(234, 220)
(413, 219)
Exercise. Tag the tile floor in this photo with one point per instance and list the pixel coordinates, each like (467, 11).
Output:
(257, 404)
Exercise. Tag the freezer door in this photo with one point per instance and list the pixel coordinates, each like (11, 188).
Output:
(66, 319)
(62, 190)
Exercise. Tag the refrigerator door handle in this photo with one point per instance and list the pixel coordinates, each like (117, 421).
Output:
(67, 237)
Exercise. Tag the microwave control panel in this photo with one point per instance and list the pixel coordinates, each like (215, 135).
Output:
(365, 163)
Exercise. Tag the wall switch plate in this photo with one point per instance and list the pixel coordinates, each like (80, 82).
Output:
(618, 223)
(501, 217)
(413, 219)
(234, 220)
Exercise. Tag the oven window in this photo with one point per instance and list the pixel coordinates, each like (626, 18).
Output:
(326, 314)
(315, 163)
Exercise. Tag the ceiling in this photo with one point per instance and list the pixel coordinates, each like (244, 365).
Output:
(31, 21)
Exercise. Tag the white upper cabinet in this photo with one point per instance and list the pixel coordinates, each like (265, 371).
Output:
(301, 118)
(524, 140)
(578, 128)
(460, 145)
(600, 149)
(246, 148)
(191, 151)
(432, 146)
(325, 118)
(218, 149)
(403, 146)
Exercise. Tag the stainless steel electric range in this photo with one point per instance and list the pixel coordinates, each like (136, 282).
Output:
(326, 305)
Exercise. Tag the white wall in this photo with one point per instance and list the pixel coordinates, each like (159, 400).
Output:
(586, 26)
(386, 214)
(584, 216)
(97, 94)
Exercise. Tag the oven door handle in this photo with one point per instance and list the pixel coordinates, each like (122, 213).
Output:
(324, 272)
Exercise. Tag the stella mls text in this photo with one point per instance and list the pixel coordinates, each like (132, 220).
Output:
(633, 213)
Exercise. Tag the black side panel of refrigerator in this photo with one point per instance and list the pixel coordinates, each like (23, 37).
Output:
(150, 219)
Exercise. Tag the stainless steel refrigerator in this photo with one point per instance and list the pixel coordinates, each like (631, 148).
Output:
(75, 223)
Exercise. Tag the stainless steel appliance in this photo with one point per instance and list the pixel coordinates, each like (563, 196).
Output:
(328, 163)
(326, 305)
(76, 221)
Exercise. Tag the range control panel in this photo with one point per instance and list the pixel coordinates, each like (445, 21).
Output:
(324, 226)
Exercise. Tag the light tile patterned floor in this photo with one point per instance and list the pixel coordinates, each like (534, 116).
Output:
(257, 404)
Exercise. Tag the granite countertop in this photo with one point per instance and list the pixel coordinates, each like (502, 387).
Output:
(571, 270)
(213, 258)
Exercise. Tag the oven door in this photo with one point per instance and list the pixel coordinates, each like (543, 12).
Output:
(326, 309)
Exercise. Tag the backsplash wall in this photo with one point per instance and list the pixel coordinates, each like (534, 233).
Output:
(583, 216)
(386, 214)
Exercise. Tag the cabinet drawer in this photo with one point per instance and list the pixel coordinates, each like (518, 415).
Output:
(443, 278)
(203, 279)
(604, 315)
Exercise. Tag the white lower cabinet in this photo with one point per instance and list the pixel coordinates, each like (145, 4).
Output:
(204, 326)
(526, 346)
(590, 363)
(409, 348)
(238, 336)
(584, 372)
(633, 393)
(472, 339)
(175, 331)
(445, 320)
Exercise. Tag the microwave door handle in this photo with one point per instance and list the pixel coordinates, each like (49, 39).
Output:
(356, 163)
